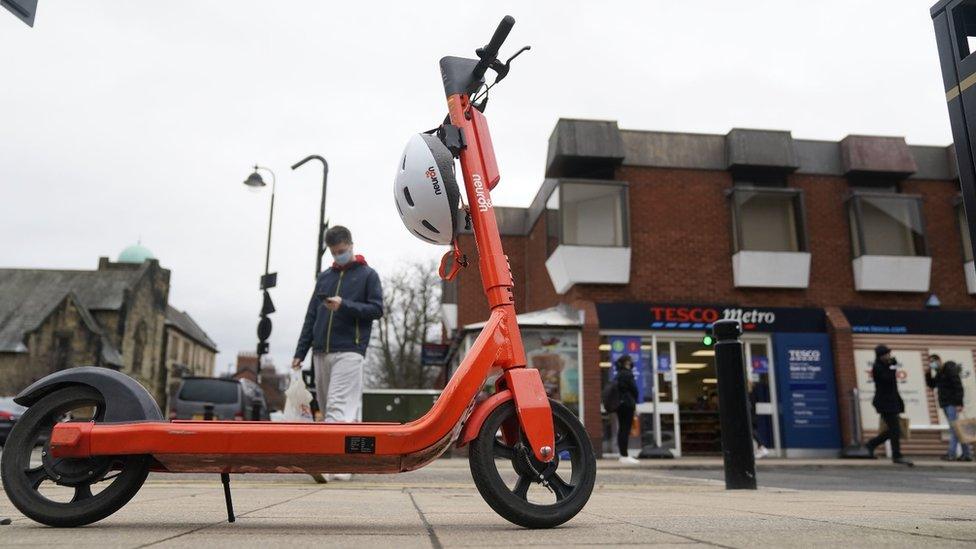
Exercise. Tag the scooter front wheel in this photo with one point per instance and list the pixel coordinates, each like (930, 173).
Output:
(508, 475)
(64, 491)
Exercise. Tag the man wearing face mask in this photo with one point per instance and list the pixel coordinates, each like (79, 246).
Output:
(347, 299)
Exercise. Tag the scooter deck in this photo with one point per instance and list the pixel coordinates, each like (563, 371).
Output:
(255, 446)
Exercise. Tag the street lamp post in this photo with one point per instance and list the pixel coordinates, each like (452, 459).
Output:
(323, 224)
(269, 280)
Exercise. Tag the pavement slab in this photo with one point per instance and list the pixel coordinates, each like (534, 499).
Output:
(438, 507)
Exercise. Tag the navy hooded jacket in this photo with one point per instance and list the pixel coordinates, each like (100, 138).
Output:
(346, 329)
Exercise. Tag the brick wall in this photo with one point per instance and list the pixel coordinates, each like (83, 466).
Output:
(845, 374)
(590, 370)
(540, 292)
(472, 305)
(681, 245)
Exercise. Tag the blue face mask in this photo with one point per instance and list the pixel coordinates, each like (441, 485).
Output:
(343, 258)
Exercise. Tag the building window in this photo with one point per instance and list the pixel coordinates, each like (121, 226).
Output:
(172, 347)
(139, 348)
(767, 219)
(555, 353)
(967, 243)
(62, 351)
(587, 214)
(886, 224)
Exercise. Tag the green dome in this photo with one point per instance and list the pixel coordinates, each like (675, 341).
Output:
(136, 253)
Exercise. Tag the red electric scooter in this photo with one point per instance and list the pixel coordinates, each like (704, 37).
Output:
(92, 435)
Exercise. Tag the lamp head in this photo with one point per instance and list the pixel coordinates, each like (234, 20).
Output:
(255, 181)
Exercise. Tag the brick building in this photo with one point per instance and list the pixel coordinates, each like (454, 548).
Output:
(116, 316)
(823, 249)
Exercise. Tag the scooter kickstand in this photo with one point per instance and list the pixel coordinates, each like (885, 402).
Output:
(225, 480)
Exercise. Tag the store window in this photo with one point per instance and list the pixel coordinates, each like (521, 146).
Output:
(642, 427)
(587, 214)
(555, 353)
(886, 224)
(767, 219)
(967, 243)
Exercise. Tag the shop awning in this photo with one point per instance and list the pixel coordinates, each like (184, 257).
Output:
(560, 316)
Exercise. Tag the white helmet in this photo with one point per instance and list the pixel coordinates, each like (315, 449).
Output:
(425, 190)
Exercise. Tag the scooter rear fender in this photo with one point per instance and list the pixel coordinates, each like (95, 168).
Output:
(125, 398)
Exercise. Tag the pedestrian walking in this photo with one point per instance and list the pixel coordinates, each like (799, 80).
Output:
(347, 298)
(947, 382)
(628, 406)
(888, 403)
(760, 450)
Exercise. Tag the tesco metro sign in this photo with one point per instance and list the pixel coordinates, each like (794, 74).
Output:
(636, 315)
(671, 317)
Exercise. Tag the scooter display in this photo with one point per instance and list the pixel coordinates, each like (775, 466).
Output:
(90, 436)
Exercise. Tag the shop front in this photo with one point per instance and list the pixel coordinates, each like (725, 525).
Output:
(914, 337)
(551, 338)
(789, 369)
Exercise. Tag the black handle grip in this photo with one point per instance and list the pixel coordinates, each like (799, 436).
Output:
(490, 51)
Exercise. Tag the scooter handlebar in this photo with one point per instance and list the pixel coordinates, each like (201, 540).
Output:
(490, 51)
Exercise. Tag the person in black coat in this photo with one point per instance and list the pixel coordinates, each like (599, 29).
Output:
(888, 403)
(628, 405)
(948, 384)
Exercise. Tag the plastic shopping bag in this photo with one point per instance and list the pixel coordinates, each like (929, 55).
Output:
(298, 401)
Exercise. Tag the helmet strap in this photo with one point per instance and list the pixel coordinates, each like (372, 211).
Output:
(453, 260)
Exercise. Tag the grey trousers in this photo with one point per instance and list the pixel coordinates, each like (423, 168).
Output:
(339, 386)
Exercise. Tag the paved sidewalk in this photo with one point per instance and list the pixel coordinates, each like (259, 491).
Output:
(439, 507)
(769, 464)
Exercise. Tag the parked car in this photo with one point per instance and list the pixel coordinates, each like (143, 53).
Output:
(10, 412)
(232, 399)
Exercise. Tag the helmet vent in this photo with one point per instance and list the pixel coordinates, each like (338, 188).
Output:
(429, 226)
(406, 194)
(403, 165)
(424, 237)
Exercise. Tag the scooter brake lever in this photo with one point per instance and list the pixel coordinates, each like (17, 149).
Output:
(518, 53)
(501, 69)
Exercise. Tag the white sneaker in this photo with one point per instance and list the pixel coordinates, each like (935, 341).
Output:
(339, 477)
(762, 452)
(627, 460)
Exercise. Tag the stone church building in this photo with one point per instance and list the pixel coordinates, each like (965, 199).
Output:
(117, 316)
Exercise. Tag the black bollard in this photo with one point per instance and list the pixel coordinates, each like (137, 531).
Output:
(733, 407)
(208, 412)
(256, 411)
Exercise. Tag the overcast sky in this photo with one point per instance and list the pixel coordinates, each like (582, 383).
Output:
(123, 120)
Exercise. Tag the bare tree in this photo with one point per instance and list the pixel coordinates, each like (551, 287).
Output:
(411, 303)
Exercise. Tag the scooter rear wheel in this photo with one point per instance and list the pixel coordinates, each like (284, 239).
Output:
(62, 491)
(507, 473)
